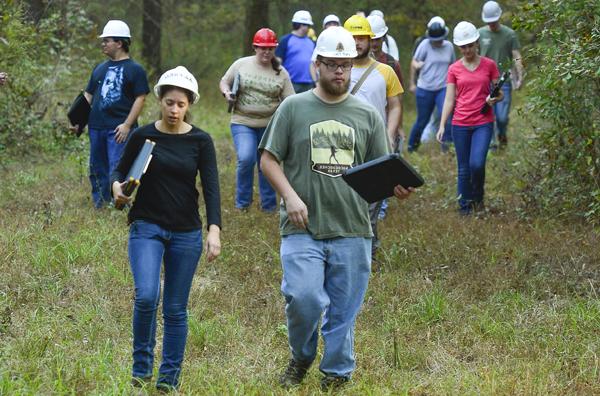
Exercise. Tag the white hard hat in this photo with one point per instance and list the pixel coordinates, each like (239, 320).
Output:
(115, 28)
(178, 77)
(437, 19)
(377, 13)
(302, 17)
(437, 29)
(331, 18)
(491, 12)
(465, 33)
(336, 42)
(377, 26)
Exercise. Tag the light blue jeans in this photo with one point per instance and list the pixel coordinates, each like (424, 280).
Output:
(149, 246)
(427, 101)
(326, 277)
(245, 140)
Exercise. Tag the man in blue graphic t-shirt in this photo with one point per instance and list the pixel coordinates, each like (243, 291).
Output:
(295, 50)
(116, 91)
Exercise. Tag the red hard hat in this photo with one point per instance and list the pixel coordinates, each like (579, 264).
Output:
(265, 37)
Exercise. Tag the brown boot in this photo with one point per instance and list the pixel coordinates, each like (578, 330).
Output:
(293, 374)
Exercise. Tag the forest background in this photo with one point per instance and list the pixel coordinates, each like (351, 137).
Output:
(500, 304)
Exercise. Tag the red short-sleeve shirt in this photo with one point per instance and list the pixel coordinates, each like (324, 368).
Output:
(472, 87)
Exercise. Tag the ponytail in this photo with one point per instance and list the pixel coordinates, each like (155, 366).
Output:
(276, 64)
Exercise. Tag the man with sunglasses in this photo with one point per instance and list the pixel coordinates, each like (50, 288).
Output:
(326, 234)
(116, 91)
(379, 86)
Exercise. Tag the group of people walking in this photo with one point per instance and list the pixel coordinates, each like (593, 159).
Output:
(304, 113)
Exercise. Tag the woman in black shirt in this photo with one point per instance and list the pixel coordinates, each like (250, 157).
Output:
(166, 225)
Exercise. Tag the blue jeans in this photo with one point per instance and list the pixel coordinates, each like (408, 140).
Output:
(502, 109)
(471, 144)
(328, 277)
(149, 246)
(105, 154)
(245, 140)
(426, 102)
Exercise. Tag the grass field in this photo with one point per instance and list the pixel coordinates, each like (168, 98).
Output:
(501, 304)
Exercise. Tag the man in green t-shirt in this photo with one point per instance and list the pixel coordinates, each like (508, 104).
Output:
(500, 43)
(311, 140)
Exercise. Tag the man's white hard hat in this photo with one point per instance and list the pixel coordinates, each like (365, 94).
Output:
(491, 12)
(115, 28)
(331, 18)
(302, 17)
(336, 42)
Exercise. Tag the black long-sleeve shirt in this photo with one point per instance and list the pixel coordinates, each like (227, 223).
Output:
(167, 194)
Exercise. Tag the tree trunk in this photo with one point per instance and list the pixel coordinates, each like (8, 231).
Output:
(151, 36)
(35, 10)
(257, 16)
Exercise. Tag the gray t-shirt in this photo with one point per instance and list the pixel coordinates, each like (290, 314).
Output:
(434, 72)
(316, 142)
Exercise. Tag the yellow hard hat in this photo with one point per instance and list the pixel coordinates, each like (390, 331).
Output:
(358, 26)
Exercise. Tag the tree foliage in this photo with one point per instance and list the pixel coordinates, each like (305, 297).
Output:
(565, 106)
(42, 59)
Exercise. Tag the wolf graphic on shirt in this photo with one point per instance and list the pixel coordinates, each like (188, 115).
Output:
(112, 87)
(331, 147)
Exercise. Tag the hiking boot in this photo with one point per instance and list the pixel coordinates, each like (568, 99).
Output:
(503, 141)
(331, 382)
(478, 207)
(165, 388)
(140, 382)
(293, 374)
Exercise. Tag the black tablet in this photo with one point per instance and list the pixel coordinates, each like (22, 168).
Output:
(375, 180)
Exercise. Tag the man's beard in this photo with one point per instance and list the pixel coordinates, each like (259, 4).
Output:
(334, 89)
(364, 54)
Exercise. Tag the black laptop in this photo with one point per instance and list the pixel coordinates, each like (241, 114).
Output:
(79, 113)
(375, 180)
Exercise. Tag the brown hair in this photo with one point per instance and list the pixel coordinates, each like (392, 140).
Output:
(165, 89)
(276, 64)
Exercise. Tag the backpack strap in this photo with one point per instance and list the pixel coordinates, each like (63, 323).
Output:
(362, 79)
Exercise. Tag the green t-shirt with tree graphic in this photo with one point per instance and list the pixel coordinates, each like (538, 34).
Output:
(316, 142)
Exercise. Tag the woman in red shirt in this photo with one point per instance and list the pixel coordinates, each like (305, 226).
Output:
(469, 85)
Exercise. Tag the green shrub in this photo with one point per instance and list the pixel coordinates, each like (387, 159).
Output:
(42, 61)
(564, 172)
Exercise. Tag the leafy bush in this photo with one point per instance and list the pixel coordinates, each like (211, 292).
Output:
(564, 175)
(42, 61)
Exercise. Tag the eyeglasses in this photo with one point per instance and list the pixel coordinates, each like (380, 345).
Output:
(467, 45)
(334, 66)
